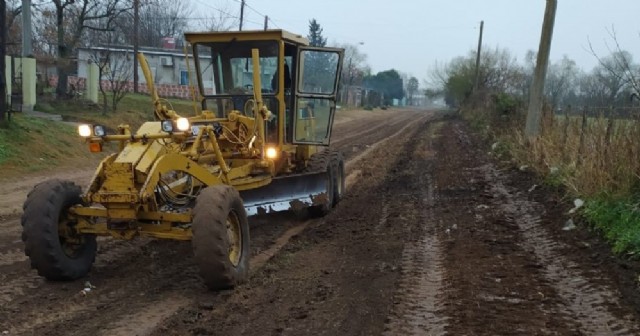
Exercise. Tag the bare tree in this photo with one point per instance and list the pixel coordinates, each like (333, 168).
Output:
(561, 80)
(355, 64)
(620, 63)
(219, 20)
(158, 19)
(116, 70)
(13, 27)
(72, 19)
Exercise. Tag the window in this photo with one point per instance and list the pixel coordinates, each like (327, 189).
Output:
(184, 77)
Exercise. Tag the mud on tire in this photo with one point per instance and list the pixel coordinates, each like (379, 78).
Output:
(52, 255)
(221, 237)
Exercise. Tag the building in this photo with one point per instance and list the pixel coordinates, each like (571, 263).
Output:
(168, 68)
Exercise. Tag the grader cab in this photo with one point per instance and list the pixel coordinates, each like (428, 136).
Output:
(255, 145)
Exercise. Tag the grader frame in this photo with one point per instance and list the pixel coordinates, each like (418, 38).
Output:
(175, 176)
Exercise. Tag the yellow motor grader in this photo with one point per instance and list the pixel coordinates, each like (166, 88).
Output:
(255, 145)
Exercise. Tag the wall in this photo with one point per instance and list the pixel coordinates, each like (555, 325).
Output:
(164, 90)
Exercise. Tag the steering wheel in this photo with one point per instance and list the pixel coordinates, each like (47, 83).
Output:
(248, 108)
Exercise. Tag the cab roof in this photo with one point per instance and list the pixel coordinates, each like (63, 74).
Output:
(246, 35)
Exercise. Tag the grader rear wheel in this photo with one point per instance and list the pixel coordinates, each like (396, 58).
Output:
(337, 162)
(328, 162)
(55, 250)
(221, 237)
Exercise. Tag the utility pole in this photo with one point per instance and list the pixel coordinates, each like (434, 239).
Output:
(532, 128)
(27, 50)
(241, 13)
(266, 22)
(477, 78)
(3, 51)
(136, 42)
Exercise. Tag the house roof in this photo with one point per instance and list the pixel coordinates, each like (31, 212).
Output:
(145, 50)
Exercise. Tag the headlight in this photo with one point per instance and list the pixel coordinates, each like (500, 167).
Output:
(271, 153)
(167, 126)
(84, 131)
(182, 124)
(98, 130)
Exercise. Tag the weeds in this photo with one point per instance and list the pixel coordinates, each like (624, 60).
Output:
(594, 155)
(619, 222)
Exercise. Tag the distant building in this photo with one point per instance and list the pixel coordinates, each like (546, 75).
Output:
(168, 68)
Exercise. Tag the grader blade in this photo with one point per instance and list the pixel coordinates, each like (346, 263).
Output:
(287, 192)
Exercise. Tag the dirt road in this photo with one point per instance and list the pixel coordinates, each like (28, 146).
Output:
(433, 237)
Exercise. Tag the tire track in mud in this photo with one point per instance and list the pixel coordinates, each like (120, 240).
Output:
(586, 302)
(419, 293)
(257, 261)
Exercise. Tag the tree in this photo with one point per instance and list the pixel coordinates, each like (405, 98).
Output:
(498, 72)
(354, 68)
(158, 19)
(219, 21)
(620, 64)
(412, 88)
(72, 19)
(389, 83)
(315, 34)
(560, 80)
(116, 70)
(13, 27)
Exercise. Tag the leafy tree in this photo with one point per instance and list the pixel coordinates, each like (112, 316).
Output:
(315, 34)
(387, 82)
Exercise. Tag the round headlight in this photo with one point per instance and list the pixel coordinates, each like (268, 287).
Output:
(167, 126)
(182, 124)
(99, 130)
(84, 130)
(271, 153)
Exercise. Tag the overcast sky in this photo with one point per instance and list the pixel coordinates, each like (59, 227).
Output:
(411, 35)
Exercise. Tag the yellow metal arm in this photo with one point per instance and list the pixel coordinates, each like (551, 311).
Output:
(161, 111)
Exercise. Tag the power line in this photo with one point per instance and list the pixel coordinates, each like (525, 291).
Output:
(217, 9)
(229, 15)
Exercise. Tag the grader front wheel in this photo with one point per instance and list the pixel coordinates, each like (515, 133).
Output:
(221, 237)
(55, 250)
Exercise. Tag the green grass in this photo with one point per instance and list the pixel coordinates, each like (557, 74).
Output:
(30, 144)
(619, 222)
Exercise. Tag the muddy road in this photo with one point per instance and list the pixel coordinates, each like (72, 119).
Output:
(433, 237)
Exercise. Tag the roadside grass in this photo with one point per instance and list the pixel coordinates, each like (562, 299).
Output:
(596, 159)
(31, 144)
(133, 109)
(619, 222)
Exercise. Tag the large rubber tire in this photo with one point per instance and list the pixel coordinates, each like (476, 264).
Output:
(321, 162)
(337, 162)
(52, 255)
(219, 208)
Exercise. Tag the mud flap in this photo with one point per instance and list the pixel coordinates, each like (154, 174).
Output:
(287, 192)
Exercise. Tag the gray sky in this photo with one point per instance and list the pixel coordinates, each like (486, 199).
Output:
(411, 35)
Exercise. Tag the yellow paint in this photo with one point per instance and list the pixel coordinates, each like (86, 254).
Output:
(28, 84)
(124, 185)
